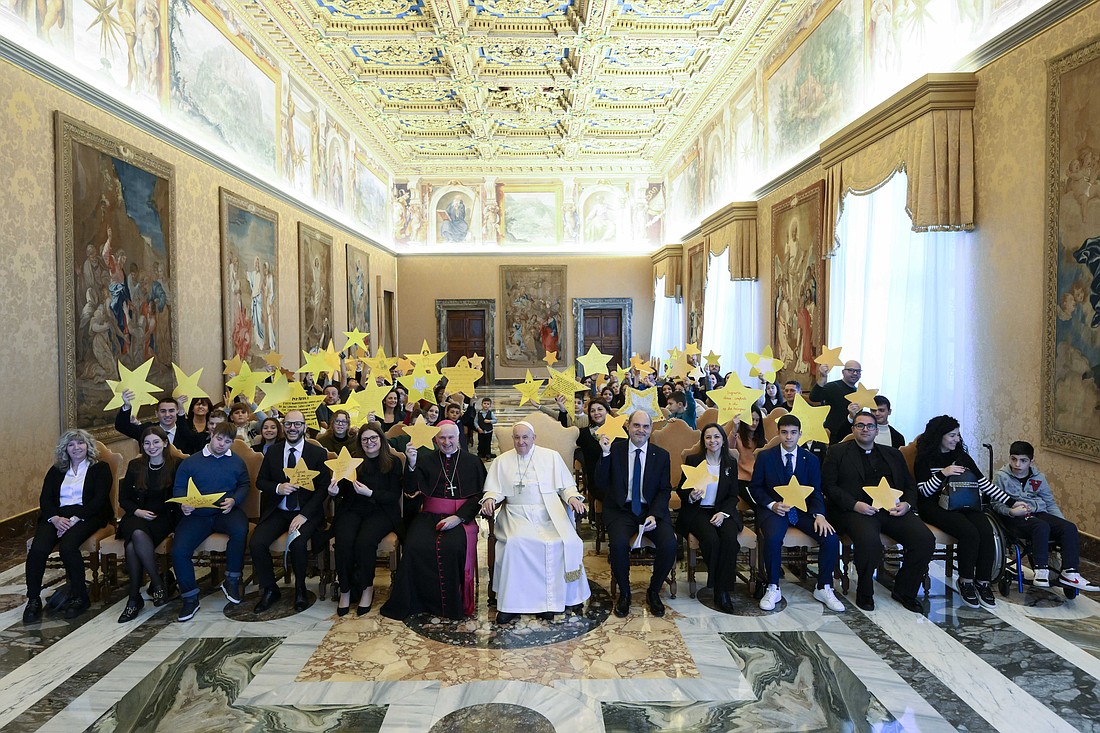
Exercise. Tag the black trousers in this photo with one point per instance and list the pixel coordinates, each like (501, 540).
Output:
(68, 547)
(620, 529)
(908, 530)
(1039, 529)
(270, 529)
(484, 444)
(719, 546)
(973, 530)
(357, 537)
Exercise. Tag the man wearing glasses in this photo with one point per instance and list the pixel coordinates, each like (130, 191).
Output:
(286, 506)
(849, 469)
(834, 394)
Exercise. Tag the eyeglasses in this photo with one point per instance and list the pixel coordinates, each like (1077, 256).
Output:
(295, 424)
(865, 426)
(853, 371)
(371, 438)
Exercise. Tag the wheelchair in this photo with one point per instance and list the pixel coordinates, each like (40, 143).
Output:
(1011, 551)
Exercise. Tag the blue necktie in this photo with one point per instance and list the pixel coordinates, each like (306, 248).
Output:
(636, 484)
(788, 460)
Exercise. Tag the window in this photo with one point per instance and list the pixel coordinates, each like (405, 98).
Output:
(732, 317)
(668, 322)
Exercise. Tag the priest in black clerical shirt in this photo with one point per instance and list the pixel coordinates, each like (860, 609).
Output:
(439, 559)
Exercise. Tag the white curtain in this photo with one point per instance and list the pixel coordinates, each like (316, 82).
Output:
(899, 303)
(731, 324)
(668, 322)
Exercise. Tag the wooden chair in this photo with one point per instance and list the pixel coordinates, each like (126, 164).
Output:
(90, 549)
(708, 416)
(676, 438)
(771, 428)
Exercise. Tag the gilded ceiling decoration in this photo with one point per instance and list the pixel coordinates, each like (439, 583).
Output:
(524, 86)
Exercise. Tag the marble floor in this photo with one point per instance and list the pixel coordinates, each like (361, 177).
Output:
(1031, 664)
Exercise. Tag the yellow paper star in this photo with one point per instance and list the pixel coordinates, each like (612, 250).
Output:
(307, 404)
(357, 339)
(829, 357)
(697, 477)
(232, 366)
(812, 419)
(674, 354)
(343, 465)
(644, 400)
(461, 378)
(421, 383)
(528, 389)
(331, 357)
(692, 349)
(562, 383)
(794, 494)
(187, 385)
(406, 365)
(369, 399)
(594, 361)
(274, 359)
(139, 400)
(600, 381)
(863, 397)
(380, 365)
(196, 498)
(621, 374)
(421, 434)
(245, 383)
(764, 364)
(734, 400)
(614, 426)
(301, 476)
(640, 365)
(678, 367)
(314, 363)
(476, 361)
(883, 496)
(135, 381)
(551, 358)
(275, 392)
(713, 359)
(426, 358)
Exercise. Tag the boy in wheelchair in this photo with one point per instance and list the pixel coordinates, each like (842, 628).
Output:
(1041, 521)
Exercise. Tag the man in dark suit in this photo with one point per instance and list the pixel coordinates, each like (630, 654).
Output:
(776, 467)
(633, 479)
(835, 395)
(860, 463)
(179, 432)
(286, 507)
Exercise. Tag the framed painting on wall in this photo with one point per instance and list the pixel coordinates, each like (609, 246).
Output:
(358, 289)
(798, 271)
(1071, 351)
(697, 283)
(250, 279)
(533, 308)
(314, 288)
(116, 269)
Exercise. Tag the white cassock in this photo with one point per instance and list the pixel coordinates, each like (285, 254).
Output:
(539, 556)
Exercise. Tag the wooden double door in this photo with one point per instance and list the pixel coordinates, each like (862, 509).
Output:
(604, 328)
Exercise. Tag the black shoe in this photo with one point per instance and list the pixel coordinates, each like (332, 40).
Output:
(32, 614)
(77, 606)
(985, 595)
(910, 603)
(547, 615)
(159, 596)
(232, 590)
(506, 618)
(189, 608)
(301, 600)
(268, 598)
(653, 599)
(133, 608)
(577, 609)
(867, 603)
(622, 606)
(724, 602)
(969, 594)
(342, 610)
(363, 610)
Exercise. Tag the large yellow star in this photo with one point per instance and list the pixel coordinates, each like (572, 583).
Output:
(614, 426)
(461, 378)
(245, 383)
(697, 477)
(674, 353)
(562, 383)
(794, 494)
(314, 363)
(734, 400)
(420, 433)
(829, 357)
(883, 496)
(331, 357)
(421, 383)
(476, 361)
(277, 391)
(232, 366)
(621, 374)
(644, 400)
(863, 397)
(764, 364)
(301, 475)
(640, 365)
(196, 498)
(307, 404)
(713, 359)
(812, 419)
(692, 349)
(594, 361)
(356, 338)
(135, 381)
(678, 367)
(528, 389)
(426, 358)
(369, 399)
(551, 358)
(405, 366)
(187, 385)
(380, 365)
(274, 359)
(343, 465)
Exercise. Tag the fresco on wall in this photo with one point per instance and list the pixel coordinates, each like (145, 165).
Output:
(454, 213)
(684, 187)
(358, 289)
(654, 214)
(530, 216)
(715, 158)
(407, 209)
(299, 135)
(218, 85)
(250, 279)
(602, 216)
(331, 170)
(368, 196)
(314, 288)
(123, 41)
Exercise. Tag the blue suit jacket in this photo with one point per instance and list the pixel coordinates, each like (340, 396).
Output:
(769, 472)
(612, 474)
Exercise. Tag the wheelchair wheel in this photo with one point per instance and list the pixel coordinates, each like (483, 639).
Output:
(1000, 551)
(1071, 593)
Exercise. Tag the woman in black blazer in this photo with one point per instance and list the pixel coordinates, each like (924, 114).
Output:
(74, 504)
(366, 511)
(710, 513)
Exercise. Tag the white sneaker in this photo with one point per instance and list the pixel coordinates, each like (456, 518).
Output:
(1073, 579)
(826, 596)
(1042, 578)
(771, 597)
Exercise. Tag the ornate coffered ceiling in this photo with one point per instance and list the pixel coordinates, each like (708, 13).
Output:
(523, 86)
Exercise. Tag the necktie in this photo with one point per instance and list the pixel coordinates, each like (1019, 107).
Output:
(788, 459)
(291, 499)
(636, 484)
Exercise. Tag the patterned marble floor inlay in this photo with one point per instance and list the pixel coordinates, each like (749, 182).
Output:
(497, 717)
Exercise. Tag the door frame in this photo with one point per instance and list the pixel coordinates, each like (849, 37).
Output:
(489, 308)
(624, 305)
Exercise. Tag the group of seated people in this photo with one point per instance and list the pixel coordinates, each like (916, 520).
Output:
(430, 498)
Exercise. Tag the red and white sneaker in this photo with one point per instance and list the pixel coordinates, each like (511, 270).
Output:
(1073, 579)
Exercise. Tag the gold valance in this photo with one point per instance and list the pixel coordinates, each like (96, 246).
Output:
(927, 130)
(733, 229)
(667, 264)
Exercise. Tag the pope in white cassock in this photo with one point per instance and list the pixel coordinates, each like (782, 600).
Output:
(538, 562)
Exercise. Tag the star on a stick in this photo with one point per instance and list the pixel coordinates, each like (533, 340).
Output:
(421, 383)
(357, 339)
(614, 426)
(734, 400)
(528, 389)
(551, 358)
(421, 434)
(343, 465)
(883, 496)
(794, 494)
(764, 364)
(301, 475)
(461, 377)
(812, 419)
(136, 381)
(644, 400)
(562, 383)
(829, 357)
(196, 498)
(187, 385)
(594, 361)
(697, 477)
(863, 397)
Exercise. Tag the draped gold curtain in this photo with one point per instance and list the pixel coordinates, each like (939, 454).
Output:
(733, 229)
(667, 264)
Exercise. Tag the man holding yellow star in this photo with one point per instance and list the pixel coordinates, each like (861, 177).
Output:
(852, 472)
(784, 476)
(179, 432)
(835, 395)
